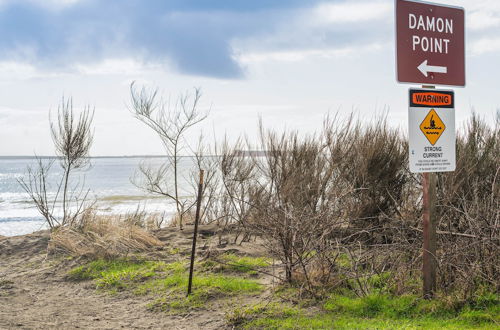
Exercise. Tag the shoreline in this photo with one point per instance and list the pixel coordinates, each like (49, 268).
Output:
(111, 205)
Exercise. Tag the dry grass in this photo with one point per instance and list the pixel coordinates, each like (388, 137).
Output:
(102, 237)
(188, 218)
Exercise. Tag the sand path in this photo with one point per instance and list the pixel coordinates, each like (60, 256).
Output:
(35, 295)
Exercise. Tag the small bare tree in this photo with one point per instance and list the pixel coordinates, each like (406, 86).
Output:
(238, 175)
(35, 184)
(207, 161)
(72, 137)
(171, 124)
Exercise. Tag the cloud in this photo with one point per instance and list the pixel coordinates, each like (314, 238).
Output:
(215, 38)
(481, 20)
(192, 36)
(115, 66)
(485, 45)
(338, 13)
(300, 55)
(327, 30)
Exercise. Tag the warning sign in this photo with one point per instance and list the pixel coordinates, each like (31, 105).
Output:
(432, 127)
(431, 130)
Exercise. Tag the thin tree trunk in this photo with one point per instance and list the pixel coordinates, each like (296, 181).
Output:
(176, 188)
(65, 192)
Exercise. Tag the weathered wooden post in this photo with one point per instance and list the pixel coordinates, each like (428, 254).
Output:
(429, 235)
(195, 231)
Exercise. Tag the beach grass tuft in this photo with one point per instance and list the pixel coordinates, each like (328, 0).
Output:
(103, 237)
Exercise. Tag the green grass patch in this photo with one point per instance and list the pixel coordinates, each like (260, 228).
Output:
(380, 305)
(243, 264)
(118, 274)
(249, 314)
(325, 321)
(376, 311)
(231, 263)
(206, 286)
(220, 283)
(165, 282)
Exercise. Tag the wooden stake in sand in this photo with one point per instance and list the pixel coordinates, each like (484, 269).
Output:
(195, 232)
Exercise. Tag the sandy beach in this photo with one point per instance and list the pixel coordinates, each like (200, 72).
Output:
(36, 294)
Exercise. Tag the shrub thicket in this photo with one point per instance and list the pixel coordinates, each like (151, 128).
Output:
(341, 208)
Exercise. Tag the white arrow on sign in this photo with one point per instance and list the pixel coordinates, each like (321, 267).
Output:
(425, 69)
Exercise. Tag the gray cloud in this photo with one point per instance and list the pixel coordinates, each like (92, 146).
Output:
(194, 36)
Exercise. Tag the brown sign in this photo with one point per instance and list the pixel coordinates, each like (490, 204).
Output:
(430, 43)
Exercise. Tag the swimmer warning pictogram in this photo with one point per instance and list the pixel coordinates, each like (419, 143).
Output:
(432, 127)
(431, 130)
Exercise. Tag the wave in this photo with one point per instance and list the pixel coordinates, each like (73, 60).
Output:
(11, 175)
(128, 198)
(22, 219)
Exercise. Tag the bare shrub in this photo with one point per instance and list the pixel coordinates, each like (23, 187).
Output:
(237, 175)
(72, 137)
(378, 175)
(206, 160)
(295, 197)
(342, 208)
(170, 123)
(387, 241)
(36, 185)
(469, 211)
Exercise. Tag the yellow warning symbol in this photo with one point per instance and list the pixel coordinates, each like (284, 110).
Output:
(432, 127)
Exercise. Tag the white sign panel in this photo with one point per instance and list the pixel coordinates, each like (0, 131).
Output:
(431, 130)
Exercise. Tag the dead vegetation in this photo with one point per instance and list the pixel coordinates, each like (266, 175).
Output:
(72, 137)
(170, 122)
(341, 209)
(469, 210)
(103, 237)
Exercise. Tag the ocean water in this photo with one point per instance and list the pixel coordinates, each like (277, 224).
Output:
(109, 182)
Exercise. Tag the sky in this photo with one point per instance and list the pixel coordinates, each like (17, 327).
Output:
(290, 62)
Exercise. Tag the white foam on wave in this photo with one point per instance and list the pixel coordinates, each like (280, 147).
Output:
(146, 205)
(24, 218)
(14, 196)
(11, 175)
